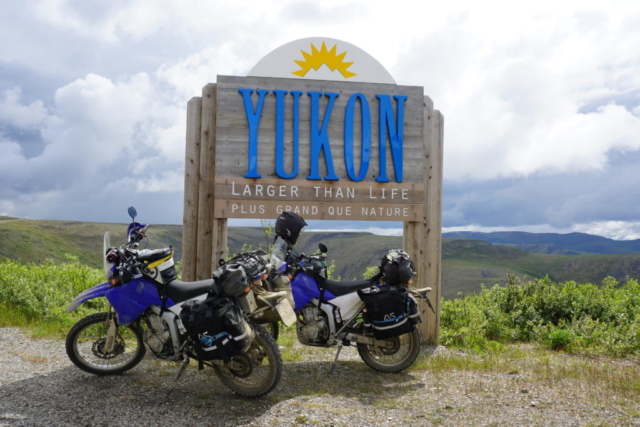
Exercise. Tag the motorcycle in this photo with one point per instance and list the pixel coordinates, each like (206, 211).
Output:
(146, 302)
(331, 313)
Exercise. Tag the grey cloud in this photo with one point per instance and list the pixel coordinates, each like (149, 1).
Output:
(558, 200)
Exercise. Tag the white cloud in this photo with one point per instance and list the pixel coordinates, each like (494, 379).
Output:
(98, 128)
(539, 228)
(526, 89)
(617, 230)
(14, 113)
(164, 183)
(511, 87)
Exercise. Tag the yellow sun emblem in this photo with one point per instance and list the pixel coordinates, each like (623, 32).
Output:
(323, 56)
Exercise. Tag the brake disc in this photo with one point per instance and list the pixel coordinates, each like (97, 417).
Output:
(241, 366)
(98, 349)
(391, 349)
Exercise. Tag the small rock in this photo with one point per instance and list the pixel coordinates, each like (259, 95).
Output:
(524, 390)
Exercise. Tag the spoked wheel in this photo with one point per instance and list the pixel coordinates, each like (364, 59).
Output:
(397, 357)
(255, 372)
(86, 346)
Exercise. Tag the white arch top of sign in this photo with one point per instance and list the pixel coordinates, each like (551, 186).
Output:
(322, 58)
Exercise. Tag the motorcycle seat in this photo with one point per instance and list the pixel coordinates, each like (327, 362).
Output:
(344, 288)
(154, 255)
(181, 291)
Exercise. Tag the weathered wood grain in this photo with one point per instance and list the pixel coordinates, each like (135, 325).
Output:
(232, 131)
(191, 189)
(317, 191)
(206, 185)
(319, 210)
(433, 222)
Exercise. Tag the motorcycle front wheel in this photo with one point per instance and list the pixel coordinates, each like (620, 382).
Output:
(255, 372)
(86, 340)
(395, 358)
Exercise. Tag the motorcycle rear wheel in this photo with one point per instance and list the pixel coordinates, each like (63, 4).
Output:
(85, 345)
(273, 328)
(404, 352)
(255, 372)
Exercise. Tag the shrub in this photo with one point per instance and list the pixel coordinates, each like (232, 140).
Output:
(42, 292)
(559, 339)
(568, 316)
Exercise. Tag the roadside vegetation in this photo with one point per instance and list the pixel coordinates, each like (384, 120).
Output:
(36, 296)
(545, 336)
(577, 318)
(570, 317)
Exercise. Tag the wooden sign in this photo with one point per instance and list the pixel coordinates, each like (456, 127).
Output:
(323, 149)
(319, 128)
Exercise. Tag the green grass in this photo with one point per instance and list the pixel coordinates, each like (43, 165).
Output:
(540, 333)
(604, 379)
(36, 296)
(40, 240)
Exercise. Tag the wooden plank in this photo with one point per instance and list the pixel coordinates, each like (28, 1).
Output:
(206, 185)
(318, 191)
(319, 210)
(219, 250)
(434, 223)
(423, 259)
(191, 188)
(233, 161)
(411, 240)
(232, 128)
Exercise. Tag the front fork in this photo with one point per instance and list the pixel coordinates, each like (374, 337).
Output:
(112, 330)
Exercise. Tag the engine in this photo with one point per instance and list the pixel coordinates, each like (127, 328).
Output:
(157, 336)
(313, 328)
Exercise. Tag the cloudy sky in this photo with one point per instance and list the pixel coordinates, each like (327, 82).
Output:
(541, 101)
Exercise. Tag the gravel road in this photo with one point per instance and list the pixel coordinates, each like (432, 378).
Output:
(40, 387)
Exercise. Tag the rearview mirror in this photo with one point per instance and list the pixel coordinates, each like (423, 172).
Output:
(323, 248)
(133, 213)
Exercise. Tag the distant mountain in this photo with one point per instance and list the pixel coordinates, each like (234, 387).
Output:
(466, 263)
(553, 243)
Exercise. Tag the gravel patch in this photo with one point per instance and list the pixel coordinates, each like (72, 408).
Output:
(39, 386)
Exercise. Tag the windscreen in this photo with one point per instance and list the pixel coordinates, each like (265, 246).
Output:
(278, 254)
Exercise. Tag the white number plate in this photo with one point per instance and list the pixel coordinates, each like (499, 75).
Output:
(286, 312)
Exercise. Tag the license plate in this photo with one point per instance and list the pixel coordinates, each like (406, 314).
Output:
(286, 312)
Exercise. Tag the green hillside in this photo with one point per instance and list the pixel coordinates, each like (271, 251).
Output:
(37, 240)
(466, 264)
(569, 244)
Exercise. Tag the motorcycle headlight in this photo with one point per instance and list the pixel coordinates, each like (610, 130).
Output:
(112, 257)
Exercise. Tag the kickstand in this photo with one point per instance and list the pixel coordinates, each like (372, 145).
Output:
(335, 361)
(175, 381)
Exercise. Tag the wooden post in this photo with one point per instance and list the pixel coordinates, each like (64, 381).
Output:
(191, 184)
(219, 247)
(206, 184)
(432, 228)
(411, 238)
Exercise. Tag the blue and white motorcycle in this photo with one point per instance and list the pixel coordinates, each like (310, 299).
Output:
(378, 316)
(145, 302)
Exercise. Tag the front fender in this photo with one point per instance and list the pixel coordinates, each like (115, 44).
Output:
(97, 291)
